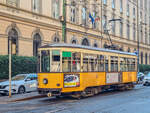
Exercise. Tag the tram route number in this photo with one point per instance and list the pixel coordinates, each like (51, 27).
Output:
(71, 80)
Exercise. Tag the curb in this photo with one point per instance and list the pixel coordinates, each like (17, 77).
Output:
(28, 98)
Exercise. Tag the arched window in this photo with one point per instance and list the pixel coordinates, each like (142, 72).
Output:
(85, 42)
(74, 41)
(56, 39)
(145, 58)
(36, 43)
(141, 57)
(95, 45)
(13, 36)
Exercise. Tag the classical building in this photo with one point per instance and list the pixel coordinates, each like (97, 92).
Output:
(32, 23)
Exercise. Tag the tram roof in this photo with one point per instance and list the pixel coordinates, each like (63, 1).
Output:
(85, 47)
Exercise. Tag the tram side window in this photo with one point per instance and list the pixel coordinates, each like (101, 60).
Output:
(45, 61)
(55, 64)
(128, 64)
(123, 64)
(114, 64)
(66, 61)
(92, 66)
(96, 63)
(85, 62)
(101, 63)
(133, 66)
(76, 65)
(106, 64)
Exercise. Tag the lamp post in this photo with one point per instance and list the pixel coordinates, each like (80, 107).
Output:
(138, 43)
(64, 22)
(9, 40)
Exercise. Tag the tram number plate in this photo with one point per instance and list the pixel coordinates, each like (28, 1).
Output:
(71, 80)
(112, 77)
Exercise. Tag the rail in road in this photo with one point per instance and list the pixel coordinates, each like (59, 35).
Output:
(26, 97)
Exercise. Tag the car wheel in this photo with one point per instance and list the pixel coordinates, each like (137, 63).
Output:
(146, 84)
(21, 90)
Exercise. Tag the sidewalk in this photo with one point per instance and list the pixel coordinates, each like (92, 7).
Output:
(4, 99)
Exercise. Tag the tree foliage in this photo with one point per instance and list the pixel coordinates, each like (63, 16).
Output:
(144, 68)
(20, 65)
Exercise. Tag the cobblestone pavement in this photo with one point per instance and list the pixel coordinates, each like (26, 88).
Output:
(132, 101)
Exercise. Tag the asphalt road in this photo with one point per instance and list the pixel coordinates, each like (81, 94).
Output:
(132, 101)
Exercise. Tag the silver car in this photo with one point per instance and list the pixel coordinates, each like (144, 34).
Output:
(146, 80)
(20, 83)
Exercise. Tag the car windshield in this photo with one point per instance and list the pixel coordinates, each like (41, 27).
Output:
(19, 77)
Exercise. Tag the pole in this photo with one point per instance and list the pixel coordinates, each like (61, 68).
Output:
(138, 43)
(101, 22)
(9, 66)
(64, 22)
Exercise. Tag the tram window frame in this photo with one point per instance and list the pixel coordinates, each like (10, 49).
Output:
(129, 64)
(96, 63)
(133, 64)
(106, 63)
(101, 64)
(76, 62)
(55, 64)
(114, 63)
(123, 64)
(91, 62)
(45, 57)
(66, 67)
(85, 62)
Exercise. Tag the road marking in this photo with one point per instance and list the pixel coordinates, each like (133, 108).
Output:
(54, 111)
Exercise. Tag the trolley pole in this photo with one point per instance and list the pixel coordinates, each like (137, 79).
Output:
(9, 66)
(64, 22)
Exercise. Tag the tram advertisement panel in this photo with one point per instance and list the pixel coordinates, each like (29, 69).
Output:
(113, 77)
(71, 80)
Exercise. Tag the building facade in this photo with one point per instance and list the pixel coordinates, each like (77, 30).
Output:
(32, 23)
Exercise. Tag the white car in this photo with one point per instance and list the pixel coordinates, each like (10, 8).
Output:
(146, 80)
(20, 83)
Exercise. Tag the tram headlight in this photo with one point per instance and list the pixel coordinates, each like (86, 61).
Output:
(45, 81)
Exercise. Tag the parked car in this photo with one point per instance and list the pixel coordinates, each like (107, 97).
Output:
(20, 83)
(146, 80)
(140, 76)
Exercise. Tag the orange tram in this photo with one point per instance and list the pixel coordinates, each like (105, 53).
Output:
(82, 71)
